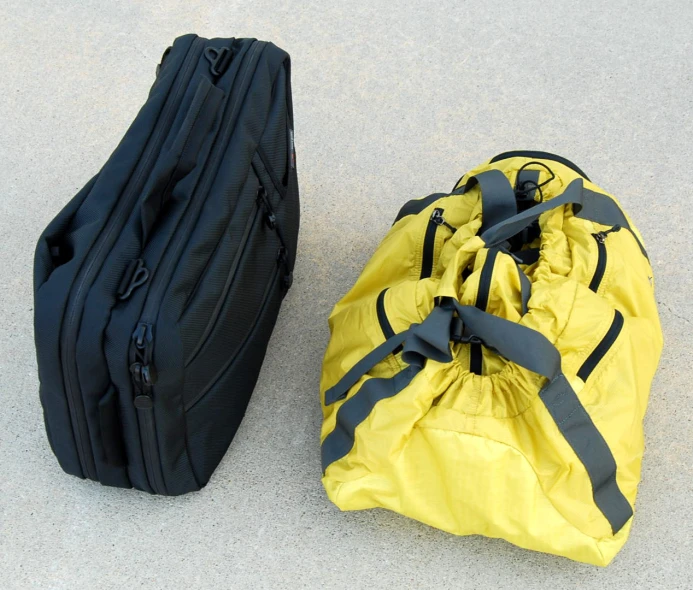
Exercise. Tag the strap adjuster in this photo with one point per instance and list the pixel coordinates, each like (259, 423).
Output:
(457, 333)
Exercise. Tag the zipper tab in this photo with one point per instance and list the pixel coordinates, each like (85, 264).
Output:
(142, 370)
(135, 275)
(270, 217)
(602, 235)
(438, 219)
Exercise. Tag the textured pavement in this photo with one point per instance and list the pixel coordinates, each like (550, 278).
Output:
(393, 100)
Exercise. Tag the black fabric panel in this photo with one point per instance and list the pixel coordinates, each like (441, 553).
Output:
(85, 227)
(215, 417)
(111, 431)
(527, 256)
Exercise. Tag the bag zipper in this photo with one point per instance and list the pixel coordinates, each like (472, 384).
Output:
(143, 375)
(261, 309)
(93, 263)
(602, 348)
(261, 204)
(152, 303)
(383, 320)
(278, 185)
(482, 295)
(434, 222)
(252, 222)
(601, 256)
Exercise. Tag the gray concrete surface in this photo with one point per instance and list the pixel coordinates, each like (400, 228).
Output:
(392, 100)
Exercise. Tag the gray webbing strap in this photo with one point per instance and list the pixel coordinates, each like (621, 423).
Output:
(519, 344)
(362, 367)
(589, 205)
(507, 228)
(497, 197)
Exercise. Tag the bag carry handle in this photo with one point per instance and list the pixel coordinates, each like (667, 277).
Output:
(587, 204)
(498, 200)
(519, 344)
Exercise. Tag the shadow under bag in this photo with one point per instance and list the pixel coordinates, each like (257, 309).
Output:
(489, 371)
(157, 287)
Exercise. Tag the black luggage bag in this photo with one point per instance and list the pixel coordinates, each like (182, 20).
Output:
(157, 287)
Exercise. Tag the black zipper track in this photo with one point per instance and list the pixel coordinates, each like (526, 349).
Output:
(383, 320)
(429, 246)
(602, 348)
(281, 188)
(482, 295)
(601, 266)
(271, 285)
(252, 222)
(161, 279)
(93, 263)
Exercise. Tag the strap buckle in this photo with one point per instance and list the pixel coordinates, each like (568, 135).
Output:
(457, 333)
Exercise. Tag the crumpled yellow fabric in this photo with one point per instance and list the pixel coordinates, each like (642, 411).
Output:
(480, 454)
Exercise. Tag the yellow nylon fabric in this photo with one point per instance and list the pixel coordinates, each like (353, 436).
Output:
(480, 454)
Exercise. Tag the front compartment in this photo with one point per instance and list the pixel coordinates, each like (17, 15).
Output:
(214, 417)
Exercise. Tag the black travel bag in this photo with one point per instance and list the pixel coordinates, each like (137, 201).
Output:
(157, 287)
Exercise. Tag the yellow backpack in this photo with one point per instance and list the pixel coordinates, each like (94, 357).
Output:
(489, 371)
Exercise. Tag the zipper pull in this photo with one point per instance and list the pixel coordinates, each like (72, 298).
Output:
(135, 275)
(438, 219)
(602, 235)
(270, 217)
(142, 370)
(143, 337)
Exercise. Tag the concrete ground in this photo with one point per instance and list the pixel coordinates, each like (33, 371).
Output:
(392, 100)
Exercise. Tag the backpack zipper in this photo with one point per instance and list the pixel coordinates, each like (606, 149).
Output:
(482, 295)
(602, 348)
(143, 376)
(94, 261)
(434, 222)
(383, 320)
(160, 281)
(601, 256)
(269, 289)
(252, 222)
